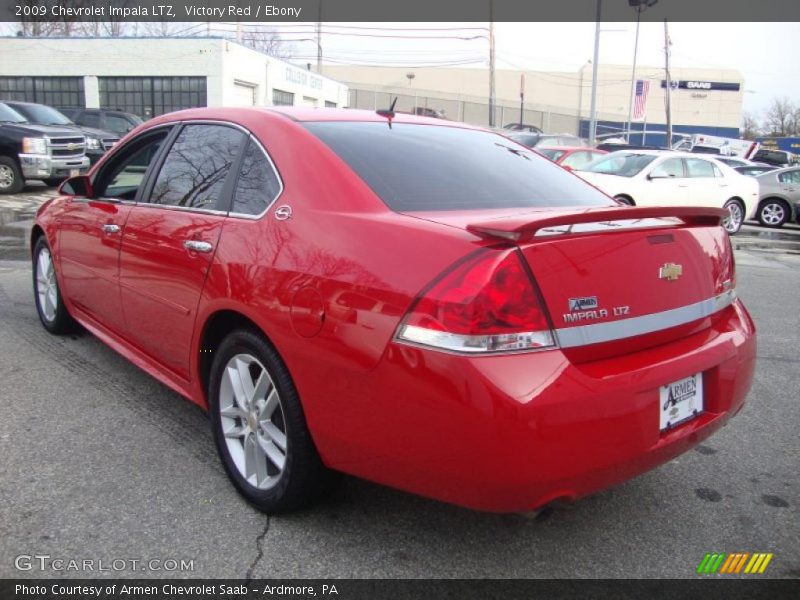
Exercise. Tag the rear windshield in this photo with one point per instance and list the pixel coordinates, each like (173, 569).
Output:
(432, 168)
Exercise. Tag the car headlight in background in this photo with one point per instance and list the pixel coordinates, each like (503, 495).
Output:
(34, 145)
(93, 143)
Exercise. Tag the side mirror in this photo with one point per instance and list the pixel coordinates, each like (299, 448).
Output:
(77, 186)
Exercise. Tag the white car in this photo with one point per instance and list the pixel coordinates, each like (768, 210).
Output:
(667, 178)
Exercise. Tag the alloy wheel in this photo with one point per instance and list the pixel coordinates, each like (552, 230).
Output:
(773, 214)
(6, 177)
(253, 421)
(733, 222)
(46, 286)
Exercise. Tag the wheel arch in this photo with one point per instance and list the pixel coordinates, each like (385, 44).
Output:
(627, 197)
(36, 233)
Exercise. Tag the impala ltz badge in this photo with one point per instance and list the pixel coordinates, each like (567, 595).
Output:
(588, 309)
(670, 271)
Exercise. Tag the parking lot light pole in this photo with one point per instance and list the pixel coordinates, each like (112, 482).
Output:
(593, 106)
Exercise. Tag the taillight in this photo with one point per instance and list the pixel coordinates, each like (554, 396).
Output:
(487, 303)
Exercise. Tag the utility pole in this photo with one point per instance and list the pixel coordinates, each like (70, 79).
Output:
(319, 39)
(491, 63)
(522, 98)
(668, 79)
(639, 9)
(595, 61)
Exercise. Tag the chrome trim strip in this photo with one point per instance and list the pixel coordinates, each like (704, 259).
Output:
(596, 333)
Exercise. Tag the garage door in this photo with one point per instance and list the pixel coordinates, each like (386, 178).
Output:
(243, 95)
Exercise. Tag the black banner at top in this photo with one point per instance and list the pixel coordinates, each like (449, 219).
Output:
(400, 10)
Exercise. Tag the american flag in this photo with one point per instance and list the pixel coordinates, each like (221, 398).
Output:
(640, 98)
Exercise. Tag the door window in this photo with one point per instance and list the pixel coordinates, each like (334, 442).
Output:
(672, 167)
(790, 177)
(196, 167)
(699, 168)
(257, 185)
(125, 174)
(117, 124)
(90, 120)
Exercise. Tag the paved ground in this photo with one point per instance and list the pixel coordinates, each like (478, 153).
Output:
(99, 461)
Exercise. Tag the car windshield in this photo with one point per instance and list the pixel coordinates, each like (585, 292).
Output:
(624, 164)
(438, 168)
(9, 115)
(551, 153)
(43, 115)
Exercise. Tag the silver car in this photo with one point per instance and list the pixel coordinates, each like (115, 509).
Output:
(779, 192)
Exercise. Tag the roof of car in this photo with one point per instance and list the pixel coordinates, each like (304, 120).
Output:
(569, 148)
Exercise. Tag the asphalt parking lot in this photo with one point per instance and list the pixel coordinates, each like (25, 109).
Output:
(102, 462)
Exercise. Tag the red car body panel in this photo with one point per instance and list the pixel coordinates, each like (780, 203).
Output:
(330, 286)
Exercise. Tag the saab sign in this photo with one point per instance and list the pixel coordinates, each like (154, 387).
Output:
(722, 86)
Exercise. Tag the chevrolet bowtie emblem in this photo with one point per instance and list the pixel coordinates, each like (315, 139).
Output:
(670, 271)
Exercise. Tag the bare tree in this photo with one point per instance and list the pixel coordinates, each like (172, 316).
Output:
(750, 128)
(267, 40)
(162, 28)
(780, 117)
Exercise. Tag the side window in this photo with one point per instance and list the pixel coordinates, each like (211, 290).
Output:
(258, 184)
(90, 120)
(672, 167)
(116, 124)
(196, 166)
(717, 172)
(790, 177)
(699, 168)
(124, 175)
(577, 159)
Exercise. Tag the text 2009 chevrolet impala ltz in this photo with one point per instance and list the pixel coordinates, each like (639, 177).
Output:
(416, 302)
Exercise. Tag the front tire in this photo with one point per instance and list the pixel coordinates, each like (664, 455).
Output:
(773, 212)
(733, 222)
(11, 180)
(49, 304)
(625, 199)
(259, 427)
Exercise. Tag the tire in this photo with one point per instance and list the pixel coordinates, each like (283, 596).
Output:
(733, 223)
(773, 212)
(11, 180)
(52, 312)
(625, 200)
(53, 182)
(261, 435)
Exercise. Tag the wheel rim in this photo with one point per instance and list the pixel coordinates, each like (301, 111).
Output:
(6, 177)
(253, 421)
(46, 286)
(773, 214)
(734, 219)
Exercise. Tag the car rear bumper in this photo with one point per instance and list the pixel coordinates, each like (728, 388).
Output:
(511, 433)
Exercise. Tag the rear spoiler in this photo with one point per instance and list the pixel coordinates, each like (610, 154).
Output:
(524, 227)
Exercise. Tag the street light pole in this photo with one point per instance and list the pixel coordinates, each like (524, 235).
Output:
(491, 63)
(595, 61)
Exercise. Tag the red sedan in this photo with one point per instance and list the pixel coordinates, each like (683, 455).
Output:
(416, 302)
(570, 157)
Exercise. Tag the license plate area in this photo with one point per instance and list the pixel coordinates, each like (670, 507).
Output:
(74, 172)
(680, 401)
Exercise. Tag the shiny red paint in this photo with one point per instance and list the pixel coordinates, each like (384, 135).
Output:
(329, 287)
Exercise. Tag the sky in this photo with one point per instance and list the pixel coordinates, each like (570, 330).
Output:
(762, 52)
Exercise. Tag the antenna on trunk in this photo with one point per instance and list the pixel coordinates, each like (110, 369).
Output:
(389, 114)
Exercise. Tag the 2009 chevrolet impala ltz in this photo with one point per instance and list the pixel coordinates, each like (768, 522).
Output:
(416, 302)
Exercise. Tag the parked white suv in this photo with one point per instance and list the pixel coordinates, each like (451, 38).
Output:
(666, 178)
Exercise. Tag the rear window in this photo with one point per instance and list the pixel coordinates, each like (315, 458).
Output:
(432, 168)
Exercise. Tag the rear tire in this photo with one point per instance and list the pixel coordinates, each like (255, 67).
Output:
(733, 223)
(773, 212)
(625, 200)
(259, 427)
(52, 312)
(11, 180)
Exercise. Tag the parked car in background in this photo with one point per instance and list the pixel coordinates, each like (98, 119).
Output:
(522, 127)
(754, 170)
(118, 121)
(779, 192)
(534, 140)
(98, 142)
(29, 151)
(778, 158)
(702, 143)
(570, 157)
(734, 162)
(467, 358)
(668, 178)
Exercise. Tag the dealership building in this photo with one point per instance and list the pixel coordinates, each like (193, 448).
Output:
(703, 100)
(152, 76)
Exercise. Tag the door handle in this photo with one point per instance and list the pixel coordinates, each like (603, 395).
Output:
(197, 246)
(110, 228)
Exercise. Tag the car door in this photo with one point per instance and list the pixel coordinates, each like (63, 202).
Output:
(665, 184)
(170, 239)
(707, 185)
(789, 183)
(91, 230)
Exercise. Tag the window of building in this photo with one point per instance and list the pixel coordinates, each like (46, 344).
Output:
(53, 91)
(152, 96)
(196, 166)
(258, 184)
(281, 98)
(330, 104)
